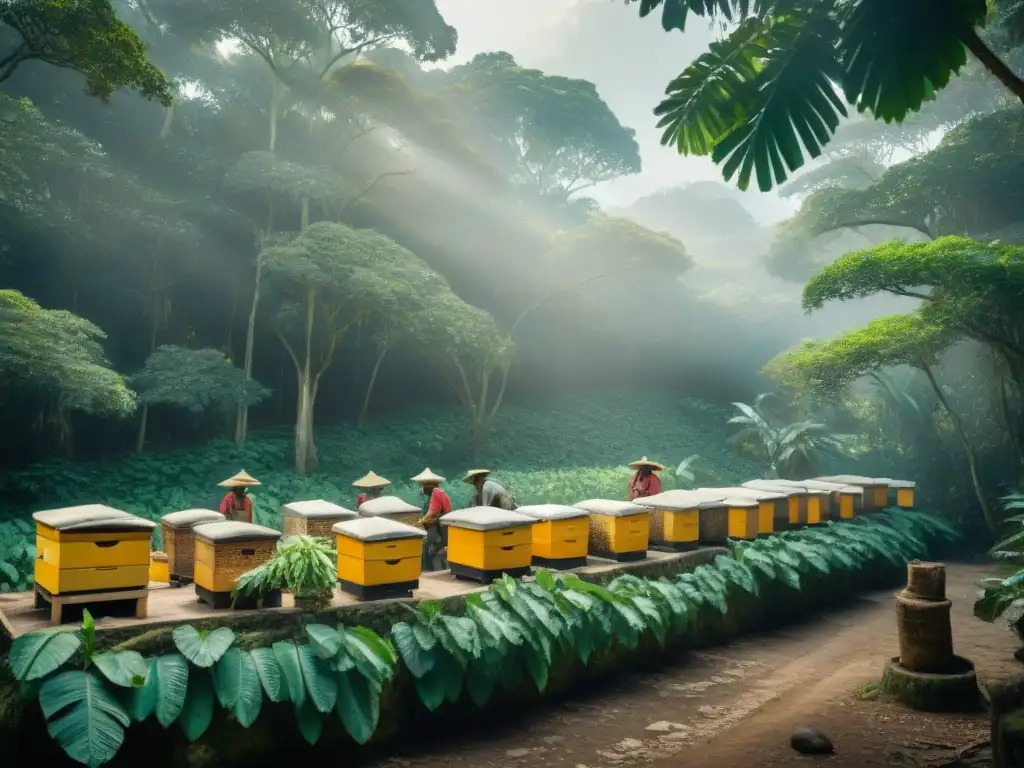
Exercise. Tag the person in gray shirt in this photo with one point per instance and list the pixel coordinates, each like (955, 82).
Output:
(489, 493)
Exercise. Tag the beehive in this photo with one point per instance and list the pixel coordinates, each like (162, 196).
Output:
(313, 518)
(844, 500)
(158, 570)
(876, 489)
(179, 543)
(771, 505)
(392, 508)
(795, 513)
(226, 550)
(91, 548)
(904, 492)
(560, 535)
(378, 558)
(619, 530)
(675, 517)
(485, 542)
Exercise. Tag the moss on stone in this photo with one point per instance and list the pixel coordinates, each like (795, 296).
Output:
(956, 691)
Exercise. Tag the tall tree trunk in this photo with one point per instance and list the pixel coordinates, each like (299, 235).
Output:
(275, 105)
(165, 130)
(994, 64)
(968, 450)
(304, 215)
(303, 417)
(369, 386)
(242, 419)
(140, 438)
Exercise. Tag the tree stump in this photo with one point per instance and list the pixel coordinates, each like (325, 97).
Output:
(922, 619)
(926, 581)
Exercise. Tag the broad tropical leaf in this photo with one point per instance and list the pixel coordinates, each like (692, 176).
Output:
(198, 711)
(325, 640)
(237, 684)
(290, 666)
(124, 668)
(310, 721)
(163, 694)
(83, 717)
(358, 706)
(317, 679)
(418, 661)
(37, 654)
(202, 648)
(271, 676)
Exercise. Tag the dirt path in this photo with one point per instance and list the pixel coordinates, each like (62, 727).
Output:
(737, 705)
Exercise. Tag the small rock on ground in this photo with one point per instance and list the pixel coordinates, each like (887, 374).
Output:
(808, 740)
(663, 726)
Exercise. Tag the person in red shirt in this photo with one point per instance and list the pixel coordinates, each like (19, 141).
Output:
(371, 484)
(436, 504)
(237, 505)
(644, 481)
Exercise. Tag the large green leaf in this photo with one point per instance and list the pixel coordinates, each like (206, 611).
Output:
(318, 679)
(270, 674)
(417, 660)
(164, 691)
(83, 717)
(290, 665)
(197, 713)
(202, 648)
(237, 684)
(896, 55)
(358, 706)
(37, 654)
(325, 640)
(674, 13)
(124, 668)
(310, 721)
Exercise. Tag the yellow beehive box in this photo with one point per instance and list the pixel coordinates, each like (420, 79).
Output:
(486, 542)
(226, 550)
(158, 570)
(92, 548)
(675, 517)
(619, 530)
(794, 514)
(179, 543)
(904, 492)
(844, 500)
(313, 518)
(771, 505)
(378, 558)
(560, 535)
(743, 517)
(876, 489)
(392, 508)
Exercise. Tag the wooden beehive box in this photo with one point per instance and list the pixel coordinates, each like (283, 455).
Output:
(675, 518)
(876, 489)
(560, 535)
(793, 514)
(844, 500)
(378, 558)
(313, 518)
(904, 492)
(92, 548)
(226, 550)
(619, 530)
(392, 508)
(179, 543)
(486, 542)
(771, 505)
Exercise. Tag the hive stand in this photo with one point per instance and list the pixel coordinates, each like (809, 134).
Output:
(619, 530)
(378, 558)
(57, 602)
(560, 536)
(485, 543)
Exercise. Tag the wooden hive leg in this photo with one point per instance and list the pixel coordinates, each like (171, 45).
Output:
(142, 607)
(56, 609)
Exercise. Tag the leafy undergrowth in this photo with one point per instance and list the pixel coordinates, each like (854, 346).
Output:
(514, 634)
(577, 448)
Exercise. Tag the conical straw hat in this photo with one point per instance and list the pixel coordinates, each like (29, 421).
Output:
(426, 476)
(242, 480)
(371, 480)
(645, 462)
(475, 473)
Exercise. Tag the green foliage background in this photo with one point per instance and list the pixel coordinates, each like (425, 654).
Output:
(570, 449)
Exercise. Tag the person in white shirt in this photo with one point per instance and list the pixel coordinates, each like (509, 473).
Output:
(489, 493)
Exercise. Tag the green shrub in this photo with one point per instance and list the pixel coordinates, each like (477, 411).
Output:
(515, 631)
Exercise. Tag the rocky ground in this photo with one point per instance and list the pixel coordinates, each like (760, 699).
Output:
(739, 705)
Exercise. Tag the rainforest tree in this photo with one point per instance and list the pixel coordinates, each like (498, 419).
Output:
(763, 96)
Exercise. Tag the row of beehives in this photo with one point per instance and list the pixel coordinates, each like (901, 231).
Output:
(96, 548)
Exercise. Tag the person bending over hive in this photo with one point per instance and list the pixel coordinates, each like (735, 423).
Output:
(237, 505)
(489, 493)
(371, 484)
(644, 482)
(436, 504)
